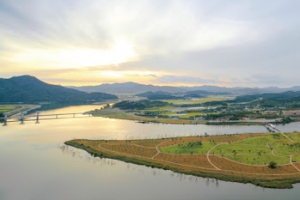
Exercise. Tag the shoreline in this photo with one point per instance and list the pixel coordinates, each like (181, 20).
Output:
(114, 113)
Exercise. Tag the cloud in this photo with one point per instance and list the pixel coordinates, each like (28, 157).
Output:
(166, 42)
(185, 80)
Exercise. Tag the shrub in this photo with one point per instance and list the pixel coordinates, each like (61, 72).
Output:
(272, 165)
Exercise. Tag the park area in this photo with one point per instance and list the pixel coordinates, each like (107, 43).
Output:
(264, 159)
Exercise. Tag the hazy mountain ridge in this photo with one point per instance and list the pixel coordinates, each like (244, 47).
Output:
(128, 88)
(159, 95)
(28, 89)
(136, 88)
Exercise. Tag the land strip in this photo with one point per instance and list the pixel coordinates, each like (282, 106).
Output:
(224, 157)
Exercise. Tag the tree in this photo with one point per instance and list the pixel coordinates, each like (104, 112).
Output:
(234, 152)
(272, 165)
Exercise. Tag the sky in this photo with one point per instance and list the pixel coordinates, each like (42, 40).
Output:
(249, 43)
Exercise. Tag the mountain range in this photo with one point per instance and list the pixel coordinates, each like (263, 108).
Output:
(128, 88)
(131, 88)
(28, 89)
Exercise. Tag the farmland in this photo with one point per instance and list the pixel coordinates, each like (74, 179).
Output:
(263, 159)
(217, 110)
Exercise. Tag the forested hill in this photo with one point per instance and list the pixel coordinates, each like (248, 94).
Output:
(290, 99)
(285, 96)
(159, 95)
(28, 89)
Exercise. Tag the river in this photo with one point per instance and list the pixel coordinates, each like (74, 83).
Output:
(35, 165)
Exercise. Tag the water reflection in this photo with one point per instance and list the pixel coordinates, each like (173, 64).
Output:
(82, 155)
(75, 153)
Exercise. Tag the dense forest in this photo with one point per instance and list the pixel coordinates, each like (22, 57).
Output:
(139, 105)
(158, 95)
(289, 100)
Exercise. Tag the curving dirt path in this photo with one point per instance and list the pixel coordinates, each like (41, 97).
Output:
(157, 149)
(291, 162)
(286, 136)
(291, 157)
(207, 156)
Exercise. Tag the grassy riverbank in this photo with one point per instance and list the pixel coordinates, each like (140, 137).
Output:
(115, 113)
(240, 158)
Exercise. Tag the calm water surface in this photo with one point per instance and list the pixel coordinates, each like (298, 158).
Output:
(34, 163)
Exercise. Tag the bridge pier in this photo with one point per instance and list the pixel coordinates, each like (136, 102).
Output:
(37, 117)
(22, 118)
(5, 120)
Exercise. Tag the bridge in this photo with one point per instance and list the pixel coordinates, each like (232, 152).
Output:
(37, 117)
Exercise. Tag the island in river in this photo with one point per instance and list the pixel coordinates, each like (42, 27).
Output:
(263, 159)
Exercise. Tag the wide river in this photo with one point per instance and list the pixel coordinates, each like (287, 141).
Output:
(35, 164)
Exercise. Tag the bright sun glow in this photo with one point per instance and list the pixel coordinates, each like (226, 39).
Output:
(111, 74)
(76, 58)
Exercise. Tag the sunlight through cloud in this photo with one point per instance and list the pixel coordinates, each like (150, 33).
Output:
(76, 58)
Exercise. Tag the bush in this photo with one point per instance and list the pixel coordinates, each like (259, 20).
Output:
(272, 165)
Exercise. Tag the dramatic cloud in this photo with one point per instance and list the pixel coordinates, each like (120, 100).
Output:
(246, 43)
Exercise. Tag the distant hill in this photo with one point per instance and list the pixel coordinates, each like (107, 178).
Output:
(286, 100)
(28, 89)
(159, 95)
(284, 96)
(128, 88)
(131, 88)
(202, 93)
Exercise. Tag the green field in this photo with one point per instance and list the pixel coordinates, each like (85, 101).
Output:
(7, 108)
(195, 101)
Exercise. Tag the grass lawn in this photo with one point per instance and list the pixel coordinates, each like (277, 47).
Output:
(159, 109)
(191, 114)
(264, 159)
(296, 158)
(271, 139)
(6, 108)
(287, 149)
(236, 149)
(294, 136)
(195, 101)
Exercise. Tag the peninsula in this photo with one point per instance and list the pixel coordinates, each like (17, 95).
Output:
(264, 159)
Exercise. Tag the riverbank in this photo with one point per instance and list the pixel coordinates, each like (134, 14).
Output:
(115, 113)
(240, 158)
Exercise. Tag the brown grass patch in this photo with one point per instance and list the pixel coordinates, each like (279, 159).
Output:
(191, 160)
(130, 149)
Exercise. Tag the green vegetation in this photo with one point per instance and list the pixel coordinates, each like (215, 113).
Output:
(139, 105)
(272, 165)
(6, 108)
(159, 95)
(13, 109)
(218, 110)
(245, 158)
(116, 113)
(196, 101)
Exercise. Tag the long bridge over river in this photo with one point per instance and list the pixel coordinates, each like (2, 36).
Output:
(21, 117)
